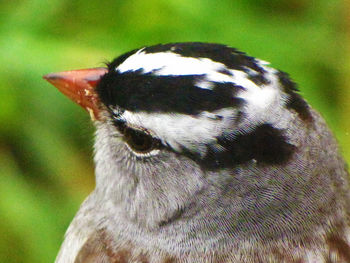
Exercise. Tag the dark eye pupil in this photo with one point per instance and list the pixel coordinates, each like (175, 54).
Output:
(138, 140)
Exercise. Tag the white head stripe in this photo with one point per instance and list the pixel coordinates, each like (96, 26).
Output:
(173, 64)
(180, 129)
(261, 97)
(169, 63)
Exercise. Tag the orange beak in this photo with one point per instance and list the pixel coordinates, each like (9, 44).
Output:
(79, 86)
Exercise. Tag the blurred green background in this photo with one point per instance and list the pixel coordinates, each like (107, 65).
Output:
(46, 167)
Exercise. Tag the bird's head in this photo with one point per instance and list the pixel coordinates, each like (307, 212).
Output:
(192, 123)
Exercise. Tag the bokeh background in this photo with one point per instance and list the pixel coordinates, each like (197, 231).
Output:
(46, 167)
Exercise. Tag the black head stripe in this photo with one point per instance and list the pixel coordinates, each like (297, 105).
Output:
(150, 93)
(119, 60)
(296, 102)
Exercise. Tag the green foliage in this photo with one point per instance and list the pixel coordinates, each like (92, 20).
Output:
(46, 166)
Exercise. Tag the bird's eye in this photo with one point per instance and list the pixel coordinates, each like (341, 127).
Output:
(138, 140)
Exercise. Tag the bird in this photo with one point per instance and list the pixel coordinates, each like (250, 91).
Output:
(205, 154)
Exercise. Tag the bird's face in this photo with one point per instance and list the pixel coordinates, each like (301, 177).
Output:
(193, 100)
(185, 123)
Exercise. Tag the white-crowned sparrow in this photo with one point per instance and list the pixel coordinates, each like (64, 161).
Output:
(204, 154)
